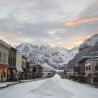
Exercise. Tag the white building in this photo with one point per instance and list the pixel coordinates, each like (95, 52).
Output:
(19, 62)
(91, 69)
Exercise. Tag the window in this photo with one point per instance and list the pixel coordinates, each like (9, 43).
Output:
(0, 56)
(22, 63)
(88, 68)
(4, 57)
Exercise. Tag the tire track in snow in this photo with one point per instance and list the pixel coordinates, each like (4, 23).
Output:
(52, 89)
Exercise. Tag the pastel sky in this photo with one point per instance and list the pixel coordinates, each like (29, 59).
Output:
(61, 23)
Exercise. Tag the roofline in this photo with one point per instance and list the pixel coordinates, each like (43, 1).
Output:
(87, 57)
(5, 44)
(14, 48)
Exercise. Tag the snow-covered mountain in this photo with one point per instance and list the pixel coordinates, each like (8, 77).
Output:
(48, 57)
(86, 48)
(90, 41)
(71, 54)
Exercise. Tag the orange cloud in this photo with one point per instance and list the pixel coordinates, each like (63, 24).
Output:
(79, 21)
(76, 40)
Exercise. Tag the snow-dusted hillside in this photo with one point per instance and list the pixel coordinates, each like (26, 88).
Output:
(71, 54)
(49, 57)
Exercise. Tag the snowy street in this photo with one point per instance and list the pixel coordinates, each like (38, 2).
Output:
(50, 88)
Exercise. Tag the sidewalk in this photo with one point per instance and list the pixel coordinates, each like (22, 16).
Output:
(7, 84)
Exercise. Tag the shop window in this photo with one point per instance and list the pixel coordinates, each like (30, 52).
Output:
(96, 68)
(4, 74)
(96, 79)
(97, 62)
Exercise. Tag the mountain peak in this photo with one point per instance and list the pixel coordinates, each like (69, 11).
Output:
(89, 46)
(95, 35)
(89, 42)
(47, 56)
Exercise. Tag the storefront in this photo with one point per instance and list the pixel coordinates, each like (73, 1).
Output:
(3, 73)
(96, 78)
(11, 74)
(20, 75)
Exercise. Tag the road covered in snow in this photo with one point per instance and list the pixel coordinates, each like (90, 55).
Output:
(50, 88)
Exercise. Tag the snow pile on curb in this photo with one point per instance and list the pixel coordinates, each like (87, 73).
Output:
(7, 84)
